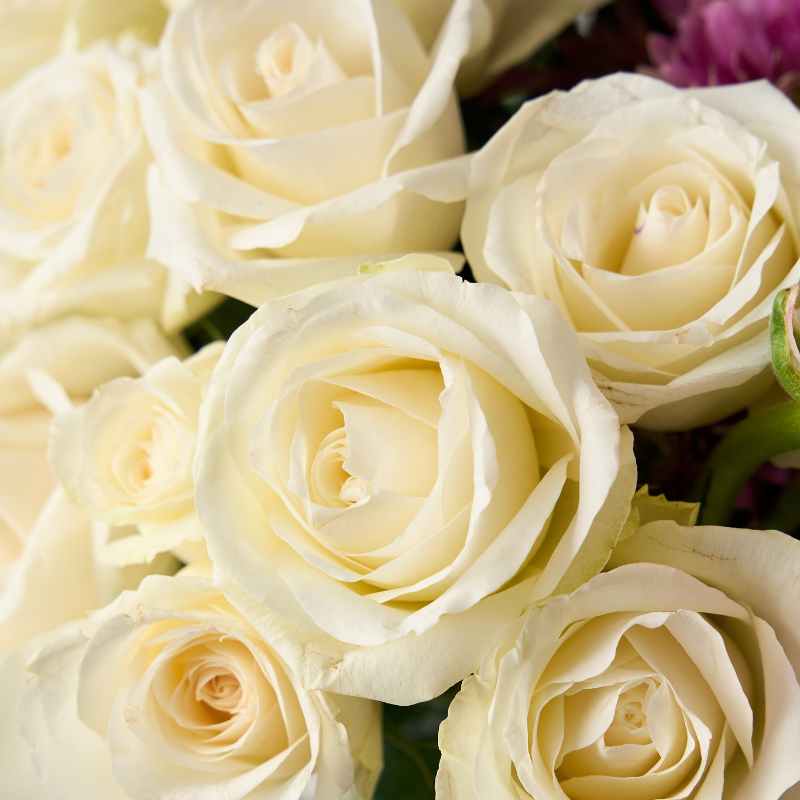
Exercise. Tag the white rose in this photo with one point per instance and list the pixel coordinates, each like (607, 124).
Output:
(661, 221)
(292, 140)
(675, 675)
(399, 464)
(34, 31)
(48, 569)
(73, 202)
(504, 32)
(125, 457)
(169, 693)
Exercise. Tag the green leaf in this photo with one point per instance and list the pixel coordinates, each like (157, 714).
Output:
(785, 354)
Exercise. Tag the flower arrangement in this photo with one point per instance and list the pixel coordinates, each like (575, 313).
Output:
(399, 398)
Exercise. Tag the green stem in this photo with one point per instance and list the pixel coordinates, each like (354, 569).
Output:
(744, 449)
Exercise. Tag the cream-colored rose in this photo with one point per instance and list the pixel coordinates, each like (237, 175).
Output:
(49, 572)
(294, 139)
(675, 675)
(503, 32)
(661, 221)
(398, 466)
(73, 202)
(169, 693)
(125, 457)
(34, 31)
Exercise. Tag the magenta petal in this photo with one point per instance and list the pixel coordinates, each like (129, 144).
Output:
(671, 10)
(729, 41)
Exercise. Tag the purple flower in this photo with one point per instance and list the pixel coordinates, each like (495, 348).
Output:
(729, 41)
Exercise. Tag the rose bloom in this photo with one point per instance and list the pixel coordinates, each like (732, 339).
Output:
(398, 465)
(673, 675)
(662, 222)
(169, 693)
(34, 31)
(48, 569)
(293, 139)
(503, 32)
(125, 457)
(73, 203)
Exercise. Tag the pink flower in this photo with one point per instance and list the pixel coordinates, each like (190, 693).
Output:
(729, 41)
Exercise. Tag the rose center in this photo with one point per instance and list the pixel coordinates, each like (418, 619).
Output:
(157, 456)
(283, 60)
(631, 716)
(630, 724)
(220, 691)
(333, 484)
(47, 152)
(132, 465)
(670, 229)
(670, 201)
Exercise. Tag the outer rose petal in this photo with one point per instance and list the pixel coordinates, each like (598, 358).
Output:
(762, 569)
(47, 751)
(59, 553)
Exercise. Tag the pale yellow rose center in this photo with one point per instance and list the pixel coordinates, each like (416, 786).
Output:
(384, 463)
(640, 711)
(56, 143)
(218, 701)
(630, 725)
(331, 481)
(670, 222)
(673, 222)
(284, 59)
(154, 459)
(218, 688)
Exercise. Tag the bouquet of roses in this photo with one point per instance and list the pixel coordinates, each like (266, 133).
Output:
(289, 510)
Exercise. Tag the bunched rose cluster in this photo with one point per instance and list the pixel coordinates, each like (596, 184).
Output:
(215, 565)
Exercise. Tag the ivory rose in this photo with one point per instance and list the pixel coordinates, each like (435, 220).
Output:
(399, 465)
(661, 221)
(673, 675)
(125, 457)
(48, 569)
(169, 693)
(294, 139)
(73, 203)
(503, 32)
(34, 31)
